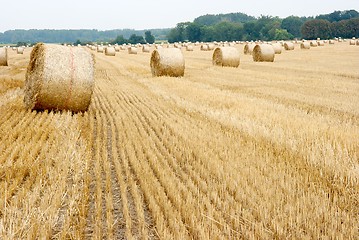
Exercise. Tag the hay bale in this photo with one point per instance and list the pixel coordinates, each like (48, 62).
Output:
(289, 46)
(313, 43)
(167, 62)
(100, 49)
(3, 56)
(145, 48)
(204, 47)
(20, 50)
(331, 41)
(357, 42)
(226, 57)
(189, 48)
(59, 78)
(352, 42)
(305, 45)
(320, 43)
(248, 48)
(263, 53)
(132, 50)
(210, 46)
(277, 48)
(110, 51)
(117, 48)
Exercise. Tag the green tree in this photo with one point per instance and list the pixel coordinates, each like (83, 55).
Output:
(149, 37)
(136, 39)
(193, 32)
(317, 28)
(119, 40)
(293, 25)
(178, 34)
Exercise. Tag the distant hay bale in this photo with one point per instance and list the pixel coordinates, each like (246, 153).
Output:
(117, 48)
(313, 44)
(320, 43)
(20, 50)
(59, 78)
(226, 57)
(352, 42)
(248, 48)
(204, 47)
(263, 53)
(357, 42)
(288, 46)
(210, 46)
(277, 48)
(167, 62)
(331, 41)
(93, 48)
(100, 49)
(158, 46)
(189, 48)
(145, 48)
(3, 56)
(305, 45)
(132, 50)
(110, 51)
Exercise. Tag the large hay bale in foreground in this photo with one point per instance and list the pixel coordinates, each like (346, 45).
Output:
(167, 62)
(305, 45)
(110, 51)
(277, 48)
(3, 56)
(289, 46)
(226, 57)
(263, 53)
(59, 78)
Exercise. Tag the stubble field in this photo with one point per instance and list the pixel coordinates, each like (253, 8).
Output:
(263, 151)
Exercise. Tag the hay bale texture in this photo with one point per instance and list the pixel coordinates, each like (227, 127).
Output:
(289, 46)
(263, 53)
(305, 45)
(3, 56)
(59, 78)
(167, 62)
(226, 57)
(110, 51)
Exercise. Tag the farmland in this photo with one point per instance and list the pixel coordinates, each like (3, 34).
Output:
(263, 151)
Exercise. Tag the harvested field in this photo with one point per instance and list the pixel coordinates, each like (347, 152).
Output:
(262, 151)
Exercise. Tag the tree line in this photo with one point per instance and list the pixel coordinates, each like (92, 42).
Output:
(239, 26)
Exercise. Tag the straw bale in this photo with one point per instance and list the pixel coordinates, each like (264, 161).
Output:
(20, 50)
(167, 62)
(313, 43)
(226, 57)
(100, 49)
(210, 46)
(320, 43)
(263, 53)
(288, 46)
(132, 50)
(3, 56)
(145, 48)
(352, 42)
(248, 48)
(331, 41)
(277, 48)
(59, 78)
(189, 48)
(204, 47)
(110, 51)
(305, 45)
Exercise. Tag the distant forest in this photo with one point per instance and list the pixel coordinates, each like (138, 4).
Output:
(220, 27)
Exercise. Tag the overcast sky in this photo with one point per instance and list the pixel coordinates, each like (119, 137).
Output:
(142, 14)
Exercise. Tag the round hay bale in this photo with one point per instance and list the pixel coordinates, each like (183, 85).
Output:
(305, 45)
(189, 48)
(352, 42)
(117, 48)
(331, 41)
(357, 42)
(204, 47)
(158, 46)
(263, 53)
(145, 48)
(313, 43)
(59, 78)
(132, 50)
(110, 51)
(288, 46)
(210, 46)
(248, 48)
(20, 50)
(167, 62)
(320, 43)
(277, 48)
(3, 56)
(100, 49)
(226, 57)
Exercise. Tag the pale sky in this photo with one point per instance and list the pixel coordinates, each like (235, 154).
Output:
(141, 14)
